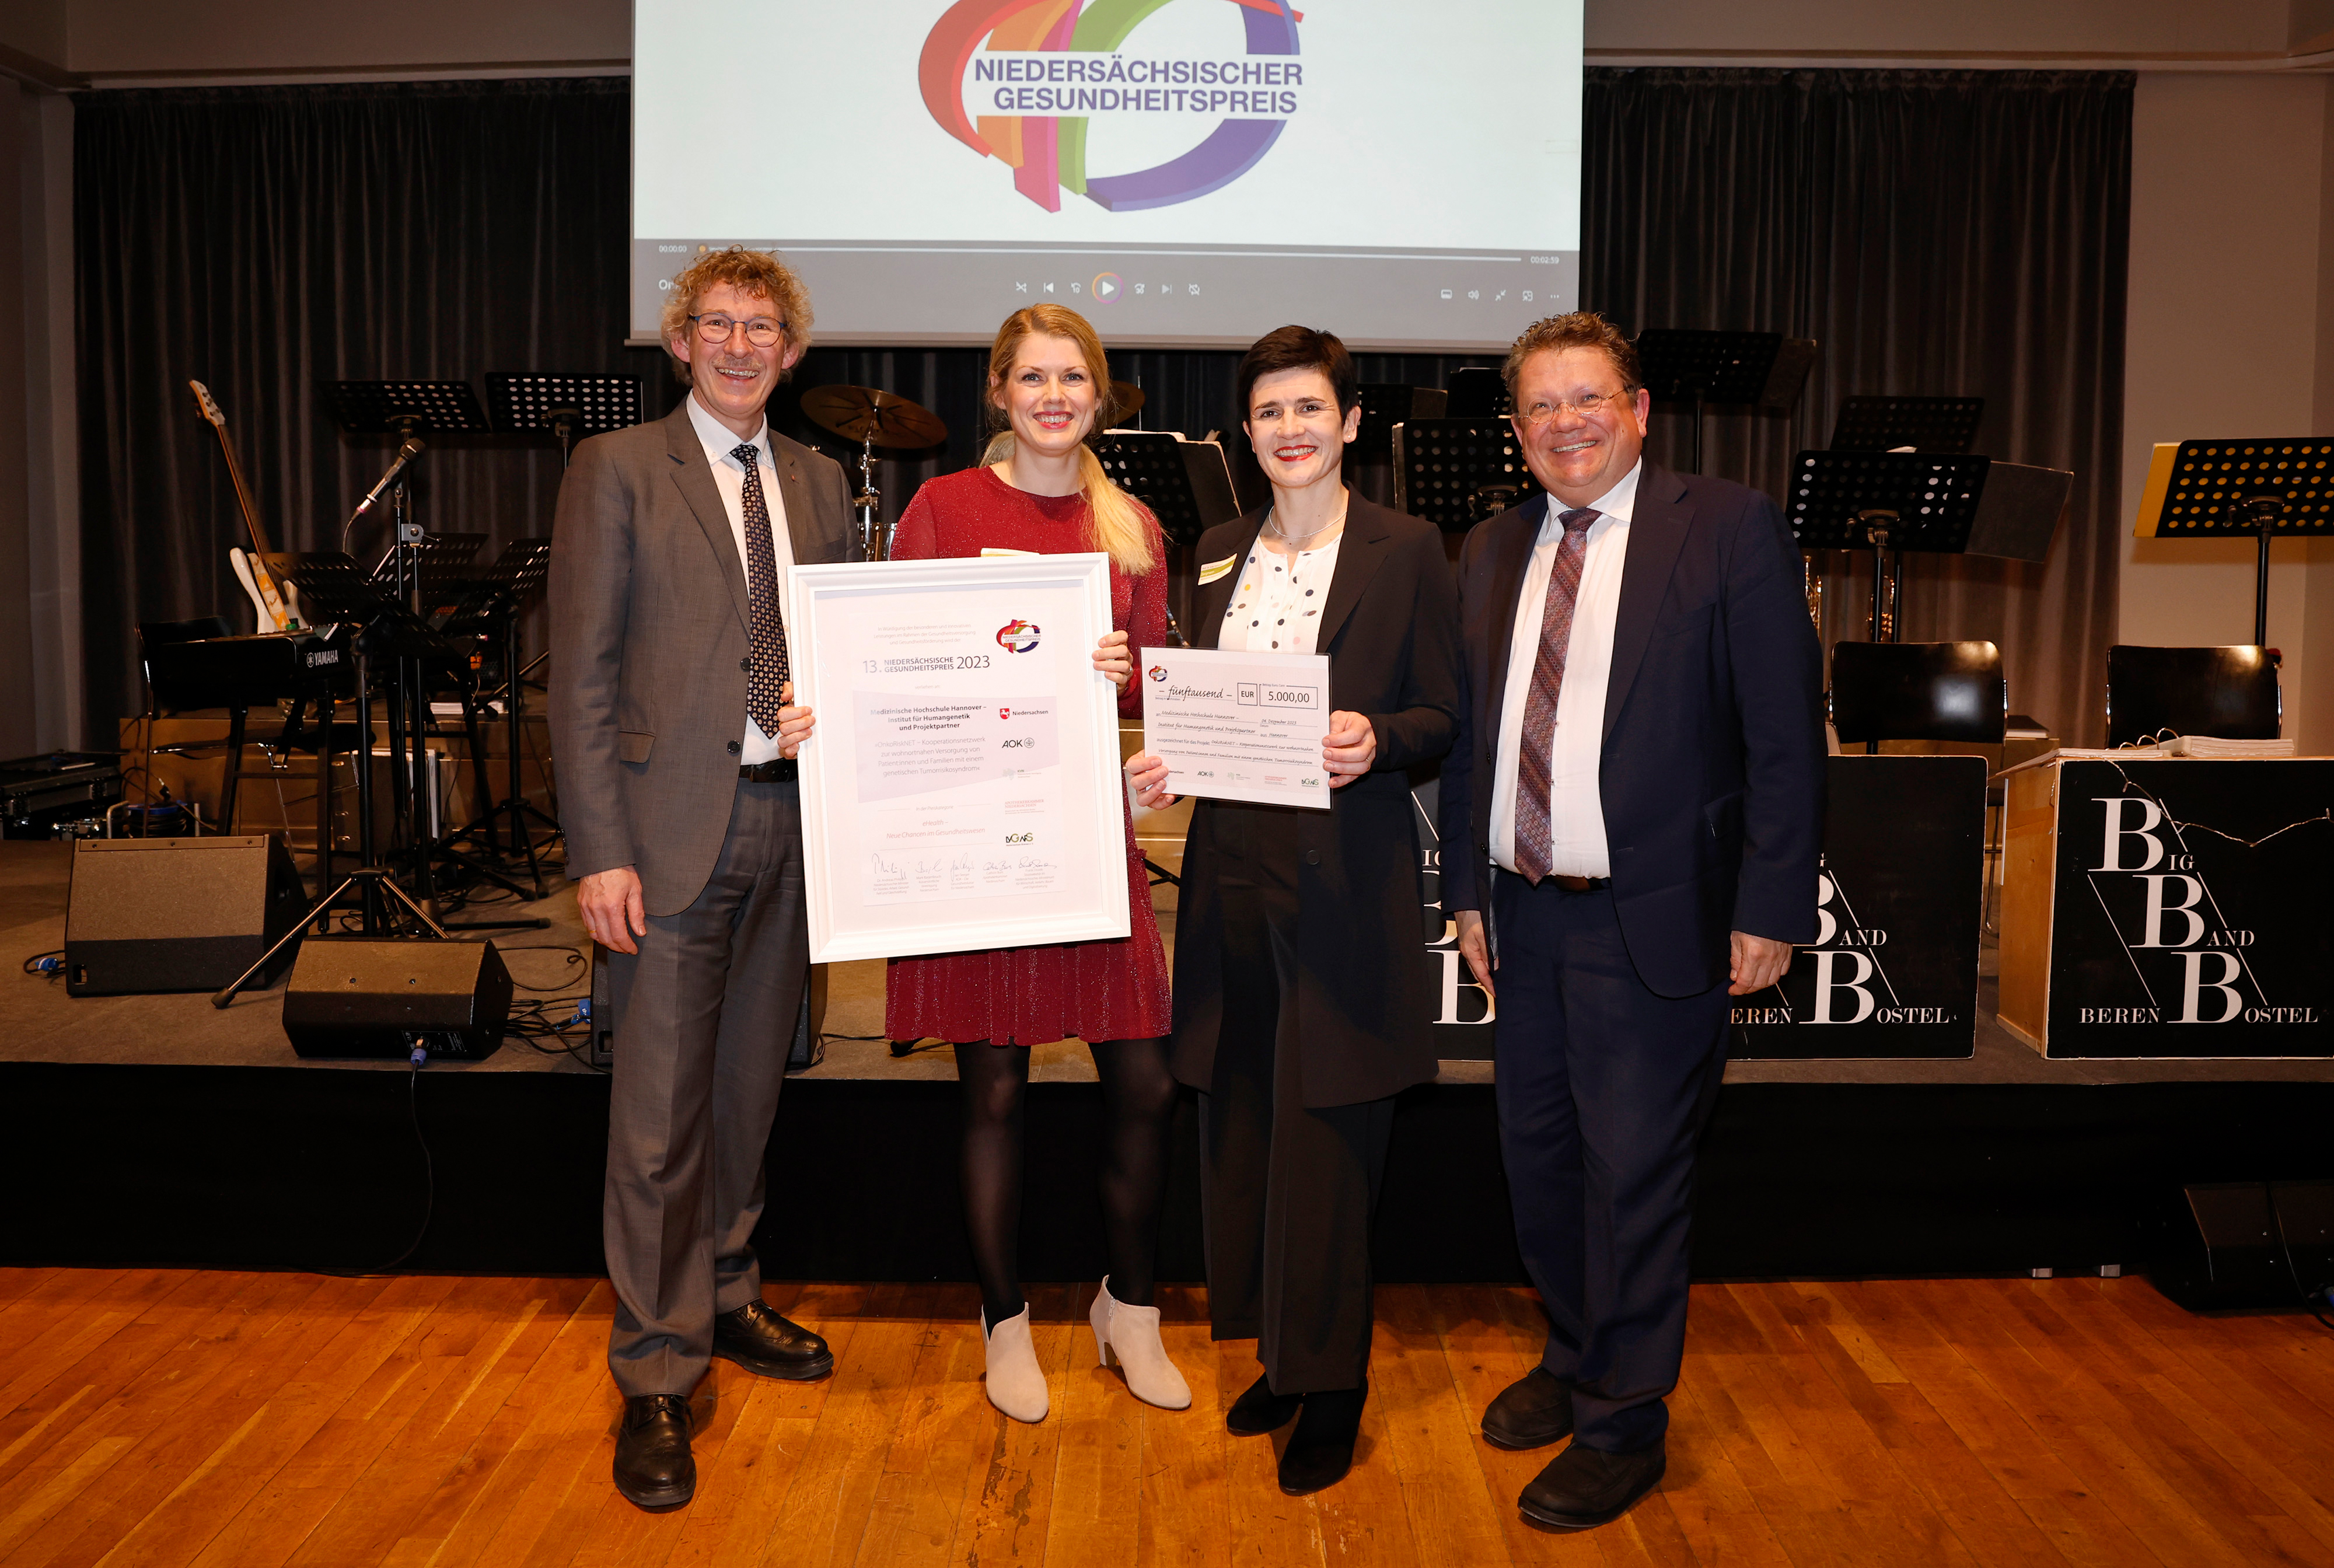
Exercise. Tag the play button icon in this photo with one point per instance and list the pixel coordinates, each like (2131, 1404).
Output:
(1106, 287)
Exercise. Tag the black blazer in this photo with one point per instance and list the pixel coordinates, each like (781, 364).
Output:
(1713, 775)
(1365, 993)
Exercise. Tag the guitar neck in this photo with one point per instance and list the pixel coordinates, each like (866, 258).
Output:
(243, 495)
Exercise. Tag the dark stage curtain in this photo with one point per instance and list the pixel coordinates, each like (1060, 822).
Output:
(263, 240)
(1941, 232)
(1938, 233)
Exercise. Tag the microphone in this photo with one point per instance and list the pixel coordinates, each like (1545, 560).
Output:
(405, 454)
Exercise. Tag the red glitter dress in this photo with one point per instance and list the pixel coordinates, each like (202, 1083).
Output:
(1096, 990)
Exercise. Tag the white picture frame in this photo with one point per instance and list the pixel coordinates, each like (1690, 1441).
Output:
(921, 834)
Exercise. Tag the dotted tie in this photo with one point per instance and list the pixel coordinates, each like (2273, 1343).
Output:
(1534, 851)
(764, 623)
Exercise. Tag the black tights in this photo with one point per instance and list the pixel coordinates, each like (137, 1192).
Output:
(1138, 1097)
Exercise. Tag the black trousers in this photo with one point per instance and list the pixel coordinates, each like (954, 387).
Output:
(705, 1014)
(1288, 1192)
(1603, 1090)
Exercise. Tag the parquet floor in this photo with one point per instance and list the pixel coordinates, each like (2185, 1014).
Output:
(153, 1417)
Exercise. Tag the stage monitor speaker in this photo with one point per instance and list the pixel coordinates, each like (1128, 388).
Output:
(808, 1049)
(2251, 1244)
(373, 997)
(148, 914)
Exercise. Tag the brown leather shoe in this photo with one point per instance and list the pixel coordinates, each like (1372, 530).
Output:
(654, 1468)
(1531, 1412)
(1584, 1487)
(769, 1346)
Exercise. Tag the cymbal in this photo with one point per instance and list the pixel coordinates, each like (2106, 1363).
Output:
(1127, 398)
(858, 413)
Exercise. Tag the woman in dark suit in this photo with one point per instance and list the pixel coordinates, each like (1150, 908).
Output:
(1303, 998)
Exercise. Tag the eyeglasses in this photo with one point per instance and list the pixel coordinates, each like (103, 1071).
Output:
(1588, 406)
(761, 332)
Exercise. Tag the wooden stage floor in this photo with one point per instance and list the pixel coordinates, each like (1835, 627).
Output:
(165, 1417)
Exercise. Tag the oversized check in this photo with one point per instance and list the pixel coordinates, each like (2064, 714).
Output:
(1238, 726)
(962, 790)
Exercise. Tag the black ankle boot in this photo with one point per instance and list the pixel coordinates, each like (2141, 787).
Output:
(1260, 1410)
(1321, 1450)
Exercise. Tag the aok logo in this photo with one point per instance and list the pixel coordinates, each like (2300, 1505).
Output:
(1046, 69)
(2179, 919)
(1016, 637)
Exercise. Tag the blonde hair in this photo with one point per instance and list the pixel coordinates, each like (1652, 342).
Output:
(1120, 526)
(751, 272)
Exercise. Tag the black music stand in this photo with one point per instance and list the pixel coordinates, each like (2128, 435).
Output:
(2268, 488)
(513, 584)
(1762, 370)
(1892, 502)
(566, 405)
(1385, 404)
(1454, 473)
(1477, 391)
(334, 583)
(1925, 424)
(405, 409)
(1187, 484)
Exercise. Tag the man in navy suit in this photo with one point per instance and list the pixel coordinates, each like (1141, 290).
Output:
(1630, 819)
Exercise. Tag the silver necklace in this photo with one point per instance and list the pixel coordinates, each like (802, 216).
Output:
(1272, 526)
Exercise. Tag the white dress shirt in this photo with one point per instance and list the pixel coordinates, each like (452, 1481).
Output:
(1277, 604)
(729, 478)
(1575, 817)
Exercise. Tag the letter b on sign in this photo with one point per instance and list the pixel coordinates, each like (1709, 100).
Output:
(2111, 850)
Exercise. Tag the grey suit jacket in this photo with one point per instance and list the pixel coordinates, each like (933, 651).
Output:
(648, 647)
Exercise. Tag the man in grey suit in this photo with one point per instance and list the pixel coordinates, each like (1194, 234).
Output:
(674, 739)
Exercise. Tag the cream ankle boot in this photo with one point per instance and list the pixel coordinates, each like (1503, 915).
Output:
(1130, 1335)
(1017, 1384)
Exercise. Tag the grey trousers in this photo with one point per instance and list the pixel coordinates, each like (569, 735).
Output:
(705, 1012)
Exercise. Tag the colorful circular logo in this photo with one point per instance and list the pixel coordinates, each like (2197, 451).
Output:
(1047, 151)
(1017, 636)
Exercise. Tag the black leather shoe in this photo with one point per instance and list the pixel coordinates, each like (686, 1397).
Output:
(769, 1346)
(654, 1468)
(1531, 1412)
(1321, 1450)
(1260, 1410)
(1582, 1487)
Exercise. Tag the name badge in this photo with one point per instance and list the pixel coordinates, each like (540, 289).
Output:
(1214, 569)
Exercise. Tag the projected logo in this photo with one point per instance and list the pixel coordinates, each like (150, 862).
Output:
(1044, 104)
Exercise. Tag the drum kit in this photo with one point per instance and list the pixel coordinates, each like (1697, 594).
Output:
(872, 418)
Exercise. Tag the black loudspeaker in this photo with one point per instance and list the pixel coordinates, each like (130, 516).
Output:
(371, 997)
(2251, 1244)
(808, 1049)
(175, 914)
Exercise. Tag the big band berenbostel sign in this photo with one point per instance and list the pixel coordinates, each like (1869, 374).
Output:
(2170, 908)
(1893, 970)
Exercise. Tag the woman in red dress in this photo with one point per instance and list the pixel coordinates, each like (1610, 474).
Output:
(1042, 490)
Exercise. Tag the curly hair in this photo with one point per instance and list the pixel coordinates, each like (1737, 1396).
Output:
(1577, 329)
(759, 272)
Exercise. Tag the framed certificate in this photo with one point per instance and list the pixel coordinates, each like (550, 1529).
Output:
(962, 790)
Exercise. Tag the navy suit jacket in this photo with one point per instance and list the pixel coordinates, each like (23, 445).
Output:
(1712, 772)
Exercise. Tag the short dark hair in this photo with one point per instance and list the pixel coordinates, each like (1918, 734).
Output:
(1576, 329)
(1297, 348)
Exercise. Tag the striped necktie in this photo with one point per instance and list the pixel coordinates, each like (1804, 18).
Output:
(1533, 842)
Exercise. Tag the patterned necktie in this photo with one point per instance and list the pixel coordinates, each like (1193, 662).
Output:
(1533, 848)
(764, 623)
